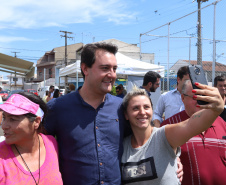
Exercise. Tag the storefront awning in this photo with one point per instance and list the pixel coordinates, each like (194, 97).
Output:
(11, 64)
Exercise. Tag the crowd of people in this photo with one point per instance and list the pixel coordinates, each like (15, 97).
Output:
(53, 93)
(92, 137)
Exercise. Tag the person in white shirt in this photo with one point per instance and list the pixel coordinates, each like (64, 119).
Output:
(51, 90)
(170, 103)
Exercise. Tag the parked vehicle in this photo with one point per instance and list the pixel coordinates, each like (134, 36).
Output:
(3, 94)
(62, 92)
(13, 92)
(32, 91)
(42, 91)
(7, 90)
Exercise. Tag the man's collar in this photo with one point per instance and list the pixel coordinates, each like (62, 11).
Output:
(175, 90)
(141, 87)
(149, 93)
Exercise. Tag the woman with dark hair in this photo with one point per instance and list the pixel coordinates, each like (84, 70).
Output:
(27, 156)
(56, 93)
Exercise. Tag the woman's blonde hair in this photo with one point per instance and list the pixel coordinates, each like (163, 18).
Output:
(135, 92)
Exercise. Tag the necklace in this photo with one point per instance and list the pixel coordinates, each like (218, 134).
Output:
(26, 163)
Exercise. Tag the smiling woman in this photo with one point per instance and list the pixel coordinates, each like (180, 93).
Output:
(25, 150)
(149, 155)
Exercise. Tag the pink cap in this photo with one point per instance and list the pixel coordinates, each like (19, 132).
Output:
(19, 105)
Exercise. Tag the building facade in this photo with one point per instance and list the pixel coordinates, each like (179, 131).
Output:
(220, 69)
(49, 64)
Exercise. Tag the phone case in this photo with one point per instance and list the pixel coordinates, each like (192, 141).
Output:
(197, 74)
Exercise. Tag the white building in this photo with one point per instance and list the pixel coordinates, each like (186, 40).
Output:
(15, 82)
(4, 83)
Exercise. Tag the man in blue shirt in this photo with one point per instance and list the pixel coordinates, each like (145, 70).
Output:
(89, 123)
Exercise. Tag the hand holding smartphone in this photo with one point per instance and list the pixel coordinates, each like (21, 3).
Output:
(197, 74)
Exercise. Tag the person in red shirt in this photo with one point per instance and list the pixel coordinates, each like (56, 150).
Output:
(203, 156)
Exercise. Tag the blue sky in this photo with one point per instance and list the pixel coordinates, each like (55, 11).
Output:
(31, 27)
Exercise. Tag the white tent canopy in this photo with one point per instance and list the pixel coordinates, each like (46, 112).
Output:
(126, 67)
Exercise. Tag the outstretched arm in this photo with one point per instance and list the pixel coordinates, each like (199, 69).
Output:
(178, 134)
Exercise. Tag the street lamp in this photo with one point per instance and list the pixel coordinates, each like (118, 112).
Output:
(199, 27)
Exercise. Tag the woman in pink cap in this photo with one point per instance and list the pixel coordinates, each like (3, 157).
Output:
(26, 155)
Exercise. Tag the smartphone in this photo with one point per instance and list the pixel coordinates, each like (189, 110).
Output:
(197, 74)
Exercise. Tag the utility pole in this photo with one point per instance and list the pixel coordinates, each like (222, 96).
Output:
(14, 53)
(199, 33)
(15, 78)
(66, 37)
(65, 62)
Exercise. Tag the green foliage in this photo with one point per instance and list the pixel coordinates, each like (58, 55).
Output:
(113, 91)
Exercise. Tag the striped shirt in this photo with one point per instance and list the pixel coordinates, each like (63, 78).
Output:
(203, 156)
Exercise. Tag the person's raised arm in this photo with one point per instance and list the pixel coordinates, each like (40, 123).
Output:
(178, 134)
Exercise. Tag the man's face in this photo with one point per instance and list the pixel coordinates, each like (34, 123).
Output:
(51, 89)
(155, 85)
(118, 91)
(102, 75)
(221, 85)
(181, 81)
(121, 86)
(189, 102)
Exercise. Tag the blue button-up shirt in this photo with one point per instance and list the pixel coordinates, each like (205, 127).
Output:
(149, 94)
(120, 95)
(90, 140)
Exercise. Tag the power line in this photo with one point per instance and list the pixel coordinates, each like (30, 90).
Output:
(177, 19)
(22, 49)
(170, 34)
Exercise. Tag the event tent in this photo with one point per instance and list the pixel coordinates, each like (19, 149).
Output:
(126, 67)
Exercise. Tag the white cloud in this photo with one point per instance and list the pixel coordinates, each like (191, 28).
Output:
(5, 39)
(44, 13)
